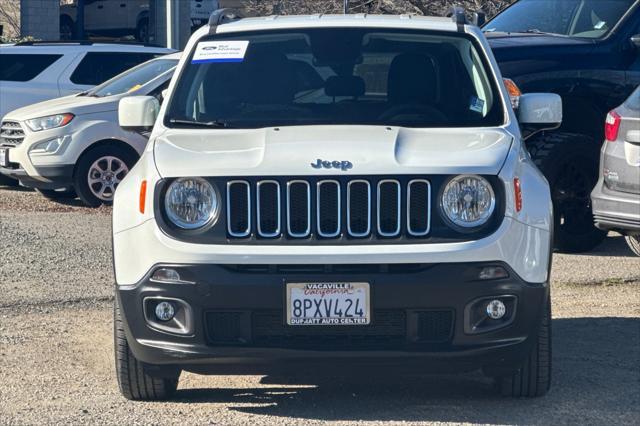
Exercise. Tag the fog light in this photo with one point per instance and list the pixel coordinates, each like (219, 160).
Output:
(493, 273)
(165, 311)
(496, 309)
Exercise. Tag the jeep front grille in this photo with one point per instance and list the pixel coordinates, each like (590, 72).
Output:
(11, 133)
(328, 208)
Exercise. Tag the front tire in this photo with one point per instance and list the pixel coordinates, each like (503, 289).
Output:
(142, 31)
(533, 378)
(99, 172)
(633, 241)
(570, 163)
(135, 384)
(67, 28)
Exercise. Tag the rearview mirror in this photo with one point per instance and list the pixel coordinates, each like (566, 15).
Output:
(635, 40)
(138, 113)
(538, 112)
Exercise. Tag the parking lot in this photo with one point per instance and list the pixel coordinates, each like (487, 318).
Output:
(56, 353)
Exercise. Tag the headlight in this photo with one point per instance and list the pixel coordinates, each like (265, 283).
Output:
(49, 122)
(191, 203)
(468, 201)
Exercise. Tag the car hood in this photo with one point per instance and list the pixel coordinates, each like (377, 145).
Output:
(73, 104)
(499, 40)
(291, 151)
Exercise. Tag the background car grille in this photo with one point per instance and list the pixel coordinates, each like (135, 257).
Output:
(11, 133)
(328, 208)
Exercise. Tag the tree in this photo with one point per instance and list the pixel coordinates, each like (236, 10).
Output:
(420, 7)
(10, 17)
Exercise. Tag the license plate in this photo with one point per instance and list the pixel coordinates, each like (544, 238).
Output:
(335, 303)
(4, 157)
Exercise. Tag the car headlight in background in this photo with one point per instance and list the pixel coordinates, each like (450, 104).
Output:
(468, 201)
(49, 122)
(49, 147)
(191, 203)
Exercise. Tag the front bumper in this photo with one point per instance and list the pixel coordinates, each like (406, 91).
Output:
(614, 210)
(48, 177)
(419, 314)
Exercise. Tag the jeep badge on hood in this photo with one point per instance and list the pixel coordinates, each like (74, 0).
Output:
(342, 165)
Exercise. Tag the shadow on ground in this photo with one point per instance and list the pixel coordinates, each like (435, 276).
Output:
(596, 375)
(613, 245)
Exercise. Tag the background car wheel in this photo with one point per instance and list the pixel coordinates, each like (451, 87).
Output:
(534, 377)
(134, 382)
(633, 241)
(67, 28)
(7, 181)
(142, 31)
(570, 164)
(99, 172)
(59, 194)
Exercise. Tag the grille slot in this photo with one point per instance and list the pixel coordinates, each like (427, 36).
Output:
(328, 209)
(225, 327)
(268, 214)
(434, 326)
(11, 133)
(418, 207)
(239, 208)
(389, 208)
(359, 208)
(299, 208)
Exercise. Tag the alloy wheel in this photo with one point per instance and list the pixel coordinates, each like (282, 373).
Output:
(104, 176)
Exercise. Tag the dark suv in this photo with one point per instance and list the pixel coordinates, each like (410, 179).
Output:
(587, 51)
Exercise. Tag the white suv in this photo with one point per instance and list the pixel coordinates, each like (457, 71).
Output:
(124, 17)
(335, 193)
(32, 72)
(74, 143)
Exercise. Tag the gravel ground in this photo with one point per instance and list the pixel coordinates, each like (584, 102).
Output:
(56, 359)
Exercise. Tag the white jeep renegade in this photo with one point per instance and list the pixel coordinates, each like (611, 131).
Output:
(341, 190)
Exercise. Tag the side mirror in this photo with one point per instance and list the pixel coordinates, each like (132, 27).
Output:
(538, 112)
(635, 40)
(138, 113)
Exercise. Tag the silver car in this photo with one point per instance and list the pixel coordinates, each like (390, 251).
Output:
(616, 197)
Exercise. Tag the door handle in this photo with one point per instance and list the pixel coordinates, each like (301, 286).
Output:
(123, 5)
(100, 6)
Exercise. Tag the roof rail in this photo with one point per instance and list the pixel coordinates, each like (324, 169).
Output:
(459, 17)
(222, 16)
(82, 43)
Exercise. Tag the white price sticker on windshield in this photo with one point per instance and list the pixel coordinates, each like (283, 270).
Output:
(220, 51)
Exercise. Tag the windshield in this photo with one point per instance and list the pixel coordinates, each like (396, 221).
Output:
(133, 79)
(576, 18)
(335, 76)
(634, 100)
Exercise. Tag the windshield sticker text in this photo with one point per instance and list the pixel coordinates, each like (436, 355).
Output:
(220, 51)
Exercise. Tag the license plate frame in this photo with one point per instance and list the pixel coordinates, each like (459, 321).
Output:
(4, 157)
(332, 300)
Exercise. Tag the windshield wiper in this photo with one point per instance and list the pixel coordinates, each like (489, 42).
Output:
(537, 31)
(88, 93)
(215, 124)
